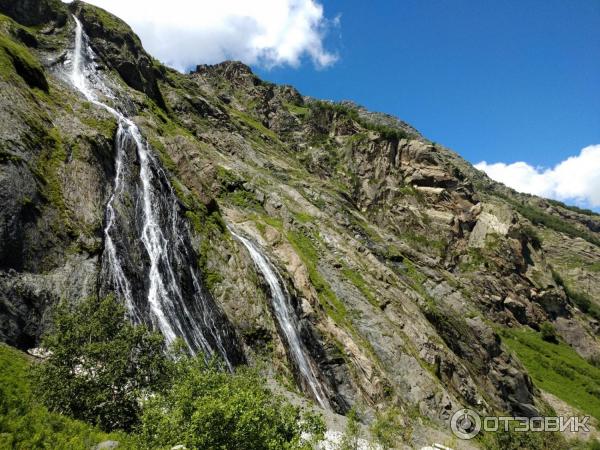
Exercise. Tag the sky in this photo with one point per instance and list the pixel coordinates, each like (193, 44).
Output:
(513, 86)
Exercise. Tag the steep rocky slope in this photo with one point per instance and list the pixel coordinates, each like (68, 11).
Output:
(404, 263)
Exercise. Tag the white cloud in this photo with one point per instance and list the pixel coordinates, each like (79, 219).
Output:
(183, 33)
(577, 178)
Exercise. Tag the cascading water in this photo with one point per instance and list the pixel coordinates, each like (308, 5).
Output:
(148, 259)
(287, 321)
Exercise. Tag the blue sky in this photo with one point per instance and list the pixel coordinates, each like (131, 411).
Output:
(512, 83)
(495, 80)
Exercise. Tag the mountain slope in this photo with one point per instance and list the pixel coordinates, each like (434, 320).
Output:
(404, 263)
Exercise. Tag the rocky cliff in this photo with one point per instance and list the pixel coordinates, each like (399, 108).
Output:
(405, 265)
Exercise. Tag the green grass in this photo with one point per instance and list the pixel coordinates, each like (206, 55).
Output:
(359, 282)
(557, 369)
(585, 211)
(303, 217)
(25, 424)
(582, 300)
(297, 110)
(253, 123)
(16, 61)
(108, 22)
(310, 257)
(539, 217)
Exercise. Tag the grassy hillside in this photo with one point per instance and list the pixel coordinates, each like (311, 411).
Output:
(25, 424)
(558, 369)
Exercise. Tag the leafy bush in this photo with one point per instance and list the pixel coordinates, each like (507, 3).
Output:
(26, 424)
(548, 333)
(208, 408)
(532, 236)
(386, 429)
(512, 440)
(100, 365)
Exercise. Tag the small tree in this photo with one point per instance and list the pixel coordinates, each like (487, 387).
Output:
(100, 365)
(548, 333)
(207, 407)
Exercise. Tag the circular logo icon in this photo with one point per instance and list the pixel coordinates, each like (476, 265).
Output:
(465, 424)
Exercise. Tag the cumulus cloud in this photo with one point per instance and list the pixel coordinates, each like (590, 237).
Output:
(577, 178)
(183, 33)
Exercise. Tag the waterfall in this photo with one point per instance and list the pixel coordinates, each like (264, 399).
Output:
(148, 259)
(287, 321)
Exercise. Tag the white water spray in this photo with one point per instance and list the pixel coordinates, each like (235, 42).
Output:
(286, 318)
(168, 310)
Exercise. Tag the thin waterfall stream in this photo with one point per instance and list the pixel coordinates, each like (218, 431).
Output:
(145, 230)
(287, 321)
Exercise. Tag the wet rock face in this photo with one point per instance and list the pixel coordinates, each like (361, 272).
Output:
(20, 312)
(18, 192)
(35, 12)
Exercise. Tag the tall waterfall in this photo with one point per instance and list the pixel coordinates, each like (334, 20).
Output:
(287, 321)
(148, 259)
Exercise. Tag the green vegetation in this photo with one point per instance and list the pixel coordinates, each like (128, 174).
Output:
(100, 365)
(107, 127)
(208, 408)
(243, 199)
(17, 60)
(512, 440)
(558, 369)
(53, 155)
(539, 217)
(358, 281)
(587, 212)
(387, 429)
(582, 300)
(108, 22)
(352, 433)
(253, 123)
(532, 236)
(548, 333)
(303, 217)
(474, 260)
(317, 108)
(109, 372)
(209, 226)
(425, 242)
(26, 424)
(297, 110)
(310, 257)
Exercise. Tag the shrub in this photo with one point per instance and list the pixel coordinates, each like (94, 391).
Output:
(386, 429)
(350, 439)
(209, 408)
(385, 131)
(533, 237)
(100, 365)
(548, 332)
(26, 424)
(582, 300)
